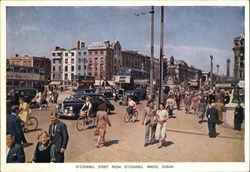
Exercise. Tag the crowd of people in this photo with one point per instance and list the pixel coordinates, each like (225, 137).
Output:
(52, 144)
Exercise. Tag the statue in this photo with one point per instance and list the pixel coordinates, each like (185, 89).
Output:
(171, 60)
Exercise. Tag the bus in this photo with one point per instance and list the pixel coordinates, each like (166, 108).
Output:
(24, 77)
(131, 79)
(84, 83)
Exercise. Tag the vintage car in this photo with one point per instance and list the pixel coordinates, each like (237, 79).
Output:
(136, 95)
(71, 106)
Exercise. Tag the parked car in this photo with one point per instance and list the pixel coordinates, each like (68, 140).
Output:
(71, 106)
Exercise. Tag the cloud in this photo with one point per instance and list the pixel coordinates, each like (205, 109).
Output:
(29, 28)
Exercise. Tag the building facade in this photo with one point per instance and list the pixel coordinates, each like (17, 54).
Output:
(68, 63)
(179, 73)
(31, 61)
(101, 60)
(239, 57)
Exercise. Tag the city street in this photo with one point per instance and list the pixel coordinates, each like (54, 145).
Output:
(187, 140)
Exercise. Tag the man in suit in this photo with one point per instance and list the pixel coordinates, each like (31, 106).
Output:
(14, 126)
(148, 121)
(59, 136)
(213, 118)
(238, 117)
(15, 153)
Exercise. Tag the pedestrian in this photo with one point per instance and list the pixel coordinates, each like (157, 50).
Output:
(178, 99)
(45, 150)
(221, 109)
(55, 96)
(238, 117)
(195, 103)
(39, 98)
(15, 153)
(211, 98)
(170, 105)
(59, 136)
(14, 126)
(202, 110)
(162, 117)
(102, 121)
(131, 108)
(187, 102)
(148, 121)
(25, 112)
(213, 117)
(61, 89)
(226, 99)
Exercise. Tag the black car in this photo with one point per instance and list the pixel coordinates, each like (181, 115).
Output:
(71, 106)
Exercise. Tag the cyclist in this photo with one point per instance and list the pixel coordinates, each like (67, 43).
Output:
(131, 108)
(86, 108)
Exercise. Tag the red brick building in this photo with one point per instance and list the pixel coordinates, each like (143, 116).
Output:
(101, 61)
(40, 62)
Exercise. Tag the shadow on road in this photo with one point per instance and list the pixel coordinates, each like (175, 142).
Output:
(111, 142)
(168, 143)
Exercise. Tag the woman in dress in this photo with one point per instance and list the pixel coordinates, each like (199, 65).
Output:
(162, 117)
(202, 109)
(45, 150)
(102, 121)
(24, 111)
(195, 103)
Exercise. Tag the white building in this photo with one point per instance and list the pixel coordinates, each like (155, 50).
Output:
(68, 63)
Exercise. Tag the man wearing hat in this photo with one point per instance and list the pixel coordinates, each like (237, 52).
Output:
(213, 117)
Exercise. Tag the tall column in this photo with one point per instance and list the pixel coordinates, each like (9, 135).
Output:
(211, 72)
(228, 68)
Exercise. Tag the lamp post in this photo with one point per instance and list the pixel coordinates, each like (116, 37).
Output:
(152, 50)
(161, 55)
(217, 71)
(211, 72)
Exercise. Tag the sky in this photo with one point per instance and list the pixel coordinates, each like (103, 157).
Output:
(191, 33)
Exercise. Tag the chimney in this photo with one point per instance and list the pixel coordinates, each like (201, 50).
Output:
(17, 55)
(78, 45)
(57, 48)
(228, 68)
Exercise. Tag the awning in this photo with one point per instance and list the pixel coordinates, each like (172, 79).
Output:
(55, 83)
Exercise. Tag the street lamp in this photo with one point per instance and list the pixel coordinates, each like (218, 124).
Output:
(211, 72)
(217, 71)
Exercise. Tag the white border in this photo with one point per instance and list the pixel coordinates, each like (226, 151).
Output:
(234, 166)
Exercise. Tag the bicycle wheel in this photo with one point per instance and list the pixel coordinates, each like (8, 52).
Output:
(81, 124)
(126, 117)
(32, 123)
(136, 115)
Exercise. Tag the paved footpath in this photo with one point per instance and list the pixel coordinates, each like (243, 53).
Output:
(187, 140)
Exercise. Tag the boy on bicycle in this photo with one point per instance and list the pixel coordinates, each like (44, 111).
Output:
(131, 108)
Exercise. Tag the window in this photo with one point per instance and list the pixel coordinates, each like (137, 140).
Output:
(72, 76)
(72, 60)
(79, 60)
(54, 68)
(53, 76)
(72, 68)
(66, 68)
(85, 53)
(59, 68)
(66, 54)
(66, 76)
(85, 67)
(72, 54)
(53, 54)
(66, 60)
(101, 52)
(79, 53)
(79, 67)
(96, 52)
(90, 53)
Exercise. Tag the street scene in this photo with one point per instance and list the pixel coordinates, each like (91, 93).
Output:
(125, 84)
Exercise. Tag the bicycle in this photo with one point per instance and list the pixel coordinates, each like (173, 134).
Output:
(31, 125)
(128, 117)
(84, 123)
